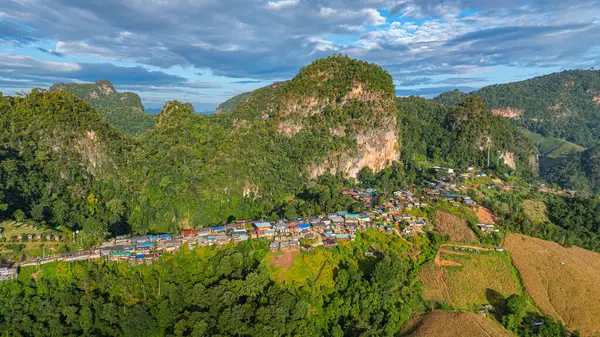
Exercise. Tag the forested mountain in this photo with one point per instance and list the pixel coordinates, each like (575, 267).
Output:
(61, 163)
(123, 110)
(564, 105)
(461, 136)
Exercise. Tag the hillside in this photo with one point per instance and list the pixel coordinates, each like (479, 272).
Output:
(564, 105)
(579, 171)
(232, 103)
(461, 136)
(456, 323)
(563, 282)
(552, 151)
(123, 110)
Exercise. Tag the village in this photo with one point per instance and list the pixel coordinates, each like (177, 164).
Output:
(397, 215)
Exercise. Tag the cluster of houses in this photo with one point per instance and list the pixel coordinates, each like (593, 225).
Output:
(365, 196)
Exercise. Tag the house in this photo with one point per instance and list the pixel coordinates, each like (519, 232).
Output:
(336, 219)
(326, 221)
(274, 246)
(303, 226)
(307, 248)
(204, 232)
(145, 246)
(48, 237)
(202, 240)
(8, 271)
(188, 233)
(342, 236)
(482, 174)
(284, 245)
(217, 229)
(139, 239)
(328, 243)
(262, 225)
(170, 245)
(282, 227)
(269, 233)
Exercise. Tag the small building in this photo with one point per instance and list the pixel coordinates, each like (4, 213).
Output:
(274, 246)
(262, 225)
(328, 243)
(8, 271)
(307, 248)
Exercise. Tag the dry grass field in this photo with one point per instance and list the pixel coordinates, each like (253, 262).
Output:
(454, 323)
(563, 282)
(470, 285)
(536, 210)
(485, 216)
(456, 228)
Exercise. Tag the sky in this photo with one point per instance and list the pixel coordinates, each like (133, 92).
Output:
(206, 51)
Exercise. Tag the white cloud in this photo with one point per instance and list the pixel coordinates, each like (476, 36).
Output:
(278, 5)
(16, 62)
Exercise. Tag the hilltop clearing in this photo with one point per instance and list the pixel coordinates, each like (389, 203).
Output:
(563, 282)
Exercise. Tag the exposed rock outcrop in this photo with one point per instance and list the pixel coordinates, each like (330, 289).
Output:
(508, 112)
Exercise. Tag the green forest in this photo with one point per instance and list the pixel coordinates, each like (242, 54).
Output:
(215, 292)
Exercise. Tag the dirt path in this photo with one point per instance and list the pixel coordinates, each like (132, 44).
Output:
(446, 263)
(465, 246)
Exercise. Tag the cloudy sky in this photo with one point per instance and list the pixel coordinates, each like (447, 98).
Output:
(206, 51)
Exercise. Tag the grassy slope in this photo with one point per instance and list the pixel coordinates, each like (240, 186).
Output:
(479, 281)
(563, 282)
(456, 323)
(551, 150)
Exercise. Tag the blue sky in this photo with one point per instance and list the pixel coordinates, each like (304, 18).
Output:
(207, 51)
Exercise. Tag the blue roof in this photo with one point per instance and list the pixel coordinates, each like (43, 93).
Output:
(349, 215)
(147, 244)
(303, 226)
(139, 256)
(217, 228)
(274, 244)
(164, 236)
(451, 195)
(262, 224)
